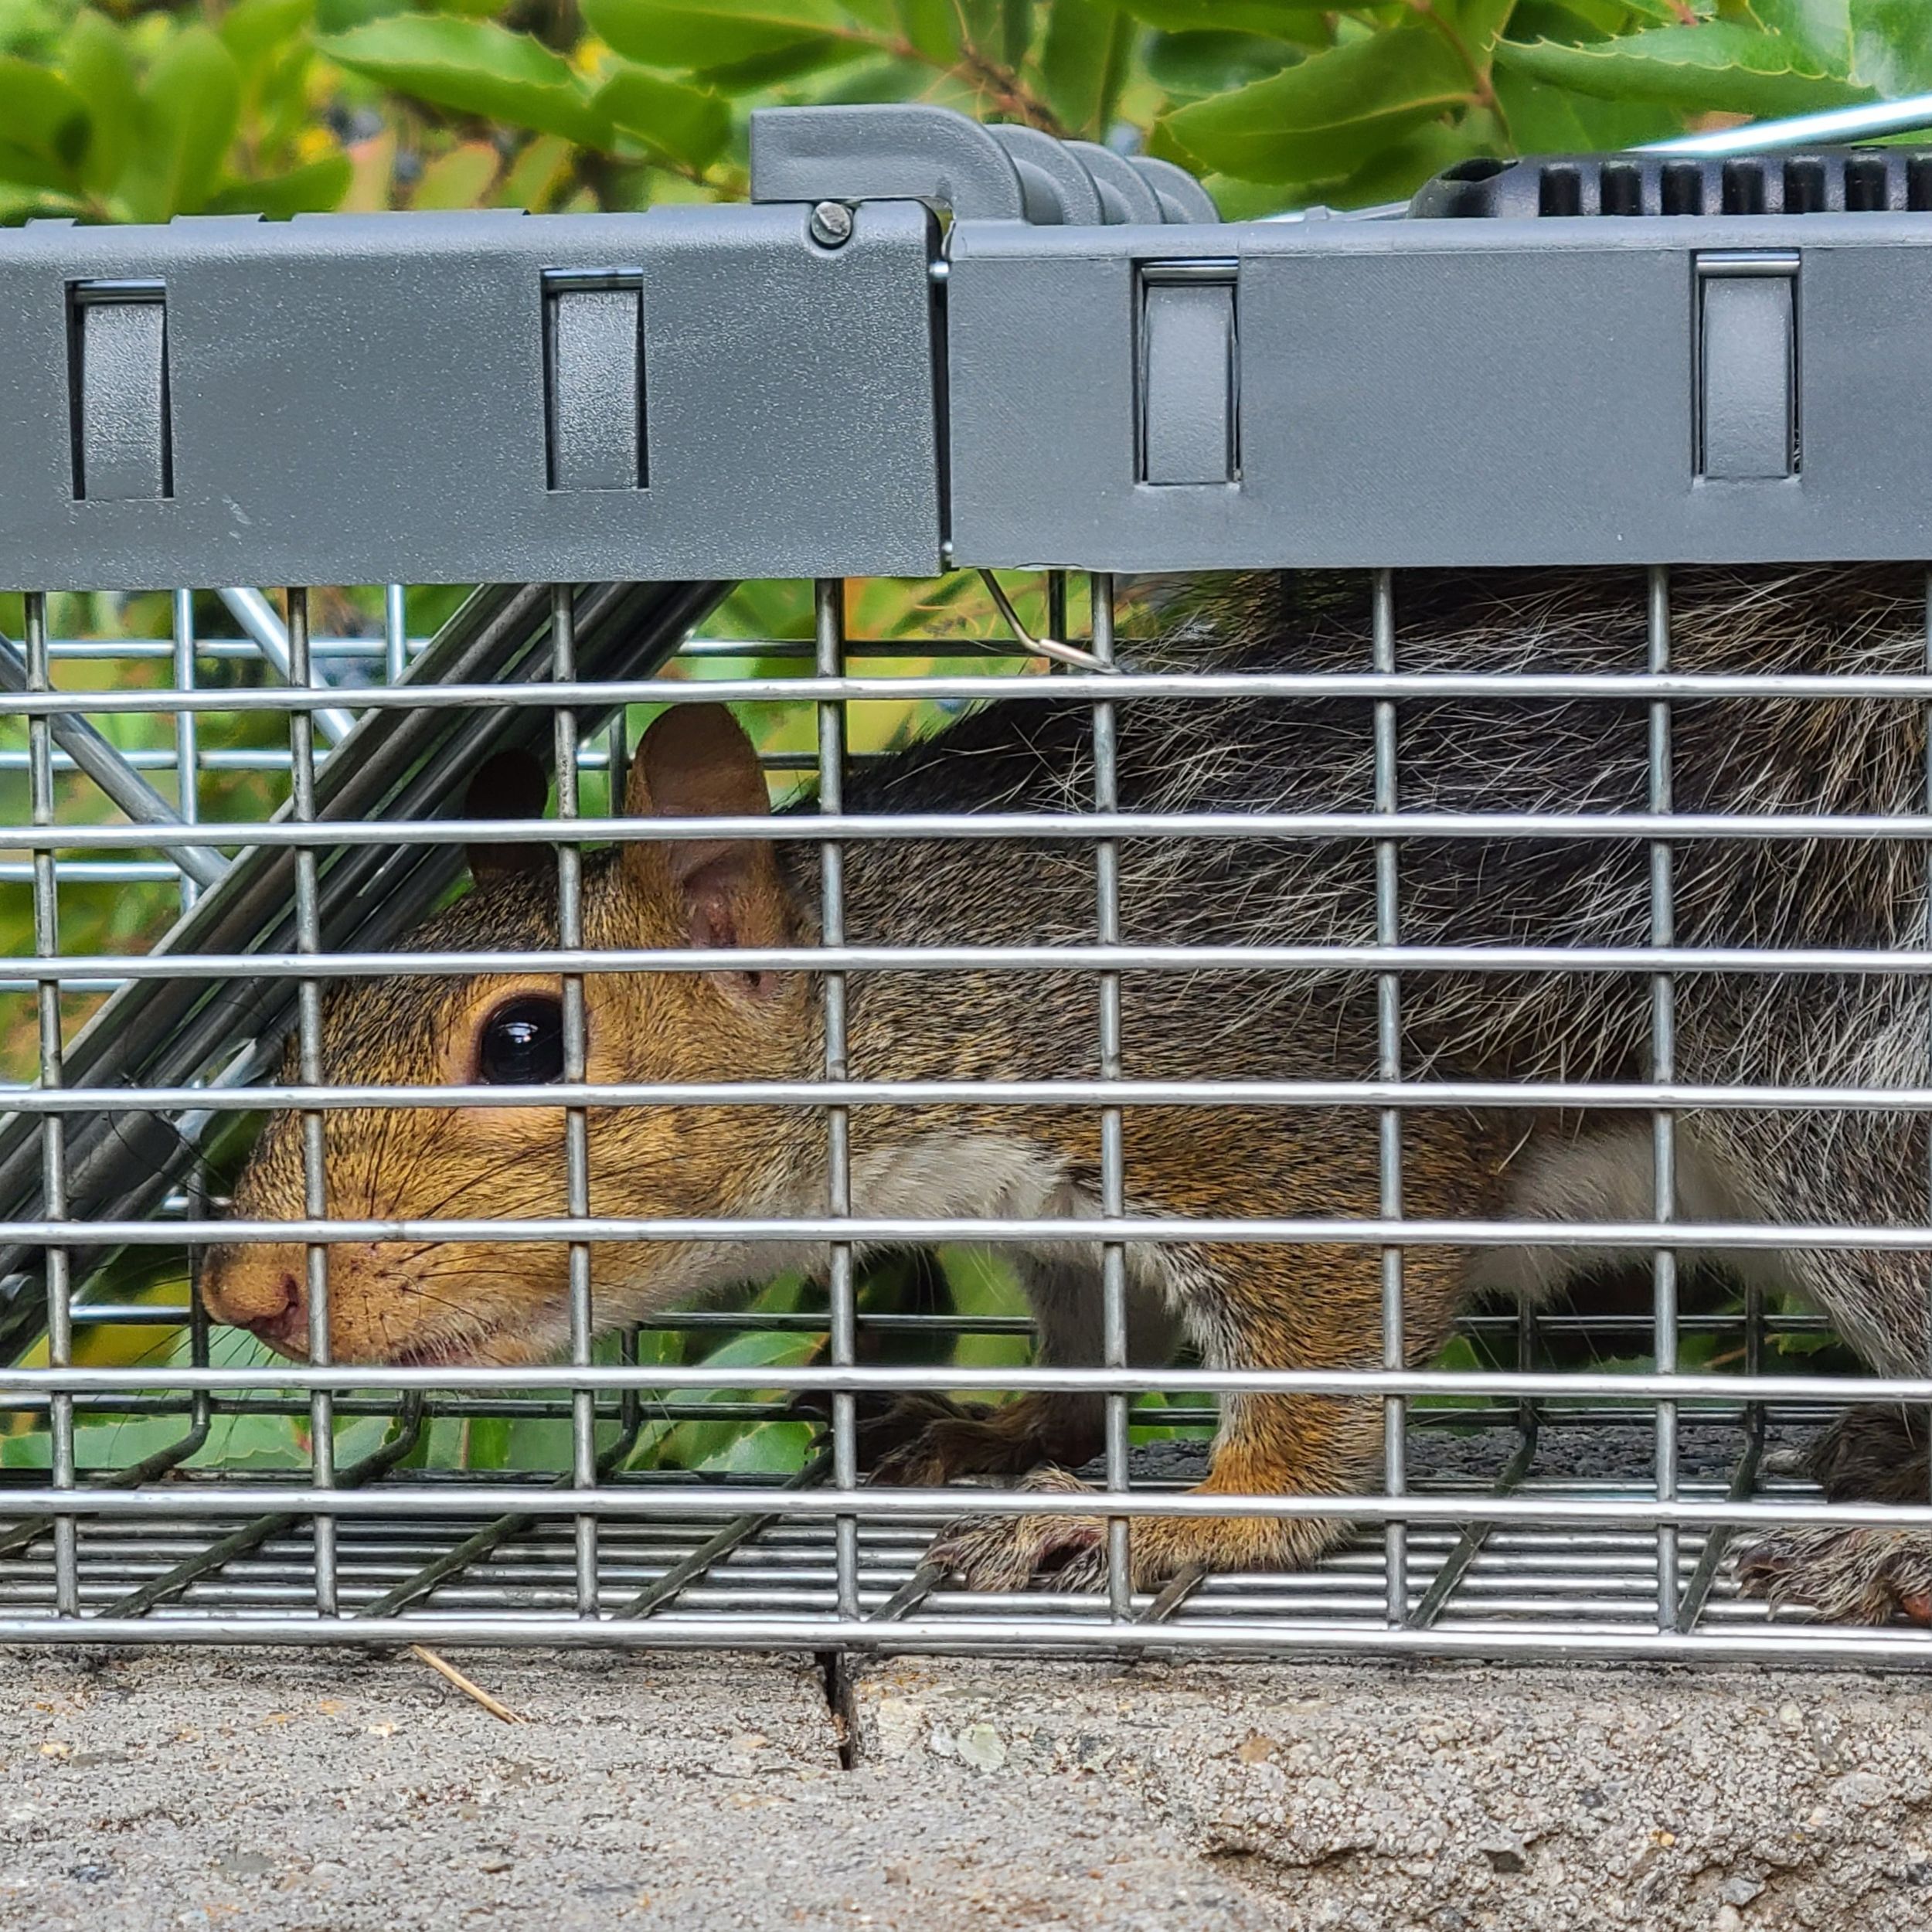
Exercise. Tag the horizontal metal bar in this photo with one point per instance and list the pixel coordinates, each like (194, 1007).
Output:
(911, 1230)
(611, 1378)
(1866, 121)
(995, 1631)
(242, 649)
(1568, 1095)
(372, 650)
(103, 763)
(782, 828)
(1062, 687)
(695, 1320)
(1720, 264)
(113, 968)
(94, 872)
(621, 1502)
(83, 984)
(502, 1408)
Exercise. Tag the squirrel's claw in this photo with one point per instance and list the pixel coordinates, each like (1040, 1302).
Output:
(1012, 1552)
(1863, 1575)
(1070, 1552)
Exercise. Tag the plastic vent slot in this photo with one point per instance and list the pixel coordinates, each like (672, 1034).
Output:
(1826, 181)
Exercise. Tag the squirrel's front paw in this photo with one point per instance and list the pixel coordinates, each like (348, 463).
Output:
(1070, 1552)
(1864, 1575)
(1016, 1553)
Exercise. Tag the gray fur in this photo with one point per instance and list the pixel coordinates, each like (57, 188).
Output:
(1853, 755)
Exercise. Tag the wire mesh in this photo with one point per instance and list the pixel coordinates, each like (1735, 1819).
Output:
(905, 1211)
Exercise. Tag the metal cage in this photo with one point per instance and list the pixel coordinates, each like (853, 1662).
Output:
(950, 467)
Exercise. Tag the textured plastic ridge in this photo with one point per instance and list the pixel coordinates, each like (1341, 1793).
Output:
(1085, 373)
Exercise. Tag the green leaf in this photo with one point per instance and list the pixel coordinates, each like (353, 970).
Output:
(1399, 169)
(762, 1448)
(42, 117)
(337, 16)
(1015, 30)
(99, 68)
(1240, 200)
(1820, 28)
(980, 21)
(1882, 44)
(192, 102)
(684, 124)
(538, 173)
(537, 1442)
(1327, 116)
(1479, 24)
(101, 71)
(1080, 63)
(474, 68)
(459, 179)
(1276, 19)
(1714, 68)
(1666, 12)
(711, 34)
(253, 29)
(856, 81)
(779, 64)
(1575, 19)
(982, 1284)
(34, 186)
(696, 1445)
(932, 27)
(1458, 1357)
(1191, 66)
(313, 188)
(1549, 120)
(488, 1443)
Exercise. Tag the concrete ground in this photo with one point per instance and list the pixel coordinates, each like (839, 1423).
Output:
(283, 1790)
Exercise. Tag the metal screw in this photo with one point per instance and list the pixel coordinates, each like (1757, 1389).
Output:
(832, 224)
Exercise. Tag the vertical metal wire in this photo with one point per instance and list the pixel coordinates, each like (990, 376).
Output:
(1663, 1017)
(577, 1142)
(1388, 1067)
(308, 1020)
(187, 743)
(1056, 613)
(1106, 895)
(828, 611)
(395, 637)
(53, 1139)
(1925, 727)
(188, 801)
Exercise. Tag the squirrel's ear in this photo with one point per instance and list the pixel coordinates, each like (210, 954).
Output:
(510, 784)
(696, 762)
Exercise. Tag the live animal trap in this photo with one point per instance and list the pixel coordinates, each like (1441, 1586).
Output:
(1615, 426)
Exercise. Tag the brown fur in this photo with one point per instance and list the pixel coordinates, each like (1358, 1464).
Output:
(1243, 1303)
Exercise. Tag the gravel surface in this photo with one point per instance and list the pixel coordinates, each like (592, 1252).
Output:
(279, 1789)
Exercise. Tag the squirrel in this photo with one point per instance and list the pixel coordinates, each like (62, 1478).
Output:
(1242, 1304)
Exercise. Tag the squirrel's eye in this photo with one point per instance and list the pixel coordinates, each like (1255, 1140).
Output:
(522, 1042)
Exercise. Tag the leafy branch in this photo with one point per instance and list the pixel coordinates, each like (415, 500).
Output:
(114, 113)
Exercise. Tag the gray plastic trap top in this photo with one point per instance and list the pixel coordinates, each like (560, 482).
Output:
(1642, 358)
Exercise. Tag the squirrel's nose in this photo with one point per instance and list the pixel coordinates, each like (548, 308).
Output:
(259, 1289)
